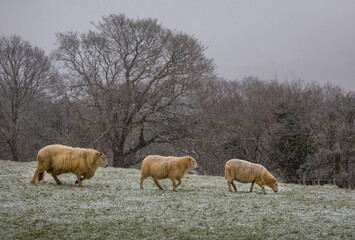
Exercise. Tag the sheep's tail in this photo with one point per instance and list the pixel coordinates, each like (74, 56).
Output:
(227, 173)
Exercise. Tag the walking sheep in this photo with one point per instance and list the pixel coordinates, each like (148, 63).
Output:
(159, 167)
(59, 159)
(247, 172)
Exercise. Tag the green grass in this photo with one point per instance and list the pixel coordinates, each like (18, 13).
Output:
(111, 206)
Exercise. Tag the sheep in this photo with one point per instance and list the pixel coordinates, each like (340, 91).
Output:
(247, 172)
(159, 167)
(60, 159)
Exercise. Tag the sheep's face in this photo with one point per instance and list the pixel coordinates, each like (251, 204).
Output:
(274, 185)
(103, 160)
(193, 163)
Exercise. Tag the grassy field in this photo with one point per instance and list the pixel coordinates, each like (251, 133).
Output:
(111, 206)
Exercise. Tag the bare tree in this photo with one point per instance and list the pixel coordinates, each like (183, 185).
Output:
(333, 126)
(136, 75)
(25, 72)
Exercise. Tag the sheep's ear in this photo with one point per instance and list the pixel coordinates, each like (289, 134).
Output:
(273, 181)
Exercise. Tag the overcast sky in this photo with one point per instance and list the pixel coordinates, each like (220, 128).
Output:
(312, 40)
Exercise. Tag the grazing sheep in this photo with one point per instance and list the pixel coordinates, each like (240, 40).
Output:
(59, 159)
(159, 167)
(247, 172)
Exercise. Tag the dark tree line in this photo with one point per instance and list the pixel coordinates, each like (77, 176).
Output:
(132, 87)
(300, 131)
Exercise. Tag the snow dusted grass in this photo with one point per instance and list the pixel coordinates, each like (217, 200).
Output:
(111, 206)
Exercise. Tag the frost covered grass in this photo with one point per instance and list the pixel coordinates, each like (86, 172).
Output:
(111, 206)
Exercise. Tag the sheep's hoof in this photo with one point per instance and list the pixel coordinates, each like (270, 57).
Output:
(76, 182)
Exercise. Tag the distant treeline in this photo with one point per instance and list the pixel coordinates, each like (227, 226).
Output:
(132, 87)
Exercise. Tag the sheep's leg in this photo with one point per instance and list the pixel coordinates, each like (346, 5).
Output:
(229, 186)
(262, 187)
(235, 188)
(81, 179)
(157, 183)
(141, 183)
(252, 185)
(56, 178)
(179, 180)
(40, 176)
(37, 172)
(174, 186)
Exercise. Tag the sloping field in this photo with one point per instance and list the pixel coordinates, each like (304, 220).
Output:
(111, 206)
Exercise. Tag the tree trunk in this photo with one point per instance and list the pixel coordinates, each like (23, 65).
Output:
(118, 159)
(14, 152)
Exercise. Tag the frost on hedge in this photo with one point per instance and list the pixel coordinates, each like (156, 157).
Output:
(111, 205)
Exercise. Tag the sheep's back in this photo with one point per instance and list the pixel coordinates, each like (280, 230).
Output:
(243, 171)
(155, 166)
(58, 158)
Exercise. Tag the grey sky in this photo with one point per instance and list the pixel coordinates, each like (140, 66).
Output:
(312, 40)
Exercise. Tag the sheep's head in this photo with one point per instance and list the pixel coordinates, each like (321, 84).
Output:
(192, 162)
(274, 185)
(103, 159)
